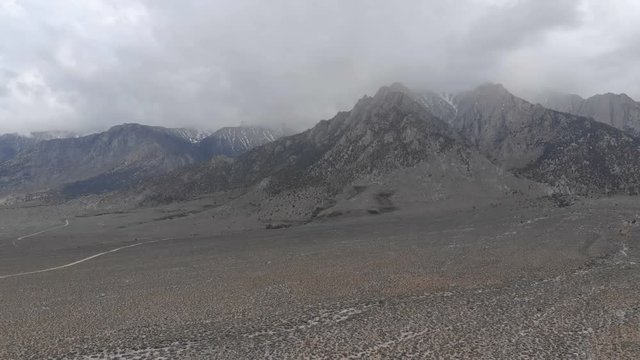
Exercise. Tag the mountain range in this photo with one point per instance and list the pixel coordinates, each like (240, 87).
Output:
(396, 147)
(119, 157)
(617, 110)
(388, 145)
(401, 146)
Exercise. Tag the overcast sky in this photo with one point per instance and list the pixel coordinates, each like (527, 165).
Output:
(84, 65)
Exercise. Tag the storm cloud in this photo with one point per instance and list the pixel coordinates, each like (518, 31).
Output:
(86, 65)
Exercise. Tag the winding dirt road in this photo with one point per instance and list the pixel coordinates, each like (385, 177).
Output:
(15, 241)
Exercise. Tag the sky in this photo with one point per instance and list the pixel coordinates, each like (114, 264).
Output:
(85, 65)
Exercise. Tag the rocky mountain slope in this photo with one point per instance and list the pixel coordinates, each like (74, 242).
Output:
(573, 153)
(617, 110)
(389, 148)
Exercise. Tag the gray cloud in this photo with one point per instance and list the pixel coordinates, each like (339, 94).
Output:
(85, 66)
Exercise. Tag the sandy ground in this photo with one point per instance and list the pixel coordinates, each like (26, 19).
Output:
(494, 282)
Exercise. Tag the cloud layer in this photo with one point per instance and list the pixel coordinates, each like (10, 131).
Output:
(86, 65)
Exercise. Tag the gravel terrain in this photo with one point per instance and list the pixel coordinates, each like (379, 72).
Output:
(504, 281)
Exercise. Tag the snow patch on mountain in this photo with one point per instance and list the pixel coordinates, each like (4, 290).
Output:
(233, 141)
(449, 99)
(194, 136)
(243, 138)
(442, 105)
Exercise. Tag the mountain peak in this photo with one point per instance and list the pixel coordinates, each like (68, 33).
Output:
(396, 87)
(493, 90)
(394, 99)
(609, 96)
(128, 127)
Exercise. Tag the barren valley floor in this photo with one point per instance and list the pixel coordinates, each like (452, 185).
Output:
(498, 282)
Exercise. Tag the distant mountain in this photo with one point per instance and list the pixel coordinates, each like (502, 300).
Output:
(12, 144)
(389, 148)
(97, 163)
(129, 148)
(232, 141)
(617, 110)
(571, 152)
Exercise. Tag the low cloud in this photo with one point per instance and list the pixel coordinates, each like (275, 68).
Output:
(87, 65)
